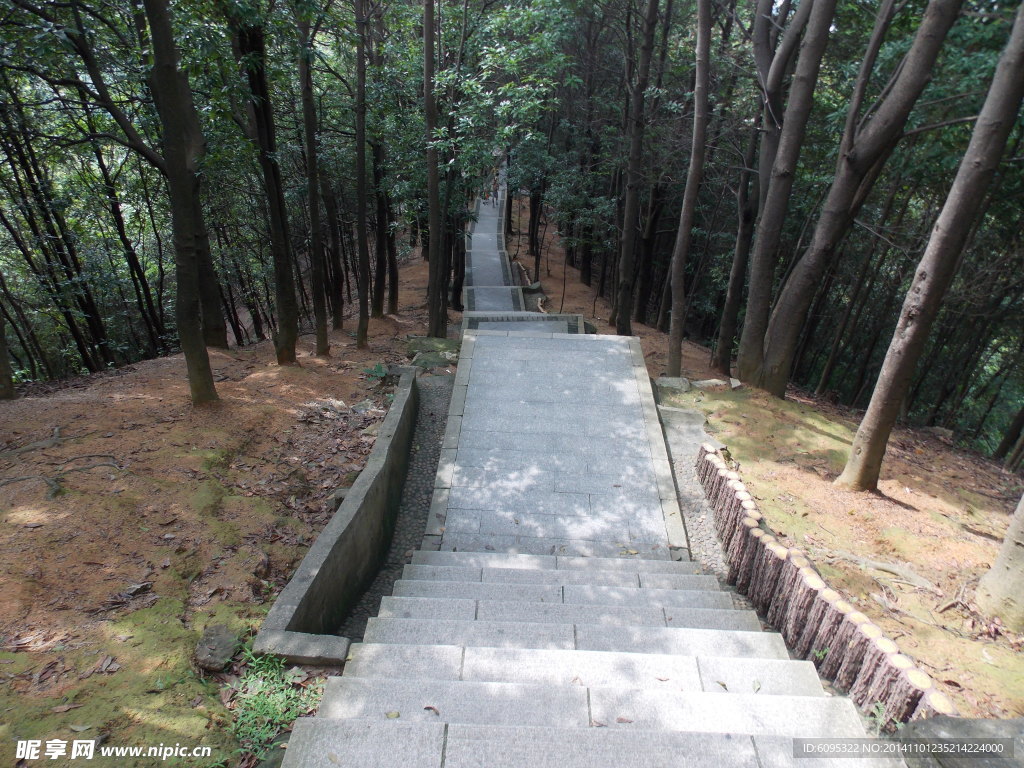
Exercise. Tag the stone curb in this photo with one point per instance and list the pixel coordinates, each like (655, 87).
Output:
(816, 623)
(347, 554)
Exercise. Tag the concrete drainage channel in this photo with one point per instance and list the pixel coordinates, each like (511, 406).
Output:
(341, 568)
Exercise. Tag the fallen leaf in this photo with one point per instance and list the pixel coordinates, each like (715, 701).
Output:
(597, 724)
(393, 715)
(724, 686)
(661, 679)
(435, 710)
(623, 720)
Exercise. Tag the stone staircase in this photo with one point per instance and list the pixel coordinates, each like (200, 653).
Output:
(493, 659)
(561, 623)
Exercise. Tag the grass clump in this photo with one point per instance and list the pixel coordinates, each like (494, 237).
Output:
(267, 700)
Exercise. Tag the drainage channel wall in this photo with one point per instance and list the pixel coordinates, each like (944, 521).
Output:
(348, 552)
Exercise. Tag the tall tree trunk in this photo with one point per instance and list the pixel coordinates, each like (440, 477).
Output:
(746, 211)
(215, 329)
(362, 229)
(337, 284)
(183, 145)
(437, 278)
(316, 237)
(864, 149)
(645, 265)
(251, 50)
(380, 272)
(1001, 590)
(938, 264)
(6, 371)
(694, 175)
(634, 177)
(780, 185)
(143, 294)
(392, 246)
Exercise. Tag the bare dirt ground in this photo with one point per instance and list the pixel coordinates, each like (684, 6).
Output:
(129, 521)
(939, 518)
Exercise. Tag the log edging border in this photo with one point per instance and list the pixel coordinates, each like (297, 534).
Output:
(815, 621)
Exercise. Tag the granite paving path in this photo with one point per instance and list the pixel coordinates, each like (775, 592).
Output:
(562, 624)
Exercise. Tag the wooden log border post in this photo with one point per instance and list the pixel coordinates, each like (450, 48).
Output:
(815, 621)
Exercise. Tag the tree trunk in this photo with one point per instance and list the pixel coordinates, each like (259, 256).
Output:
(938, 265)
(746, 212)
(864, 149)
(694, 175)
(1001, 590)
(779, 187)
(380, 271)
(337, 284)
(631, 204)
(392, 246)
(645, 267)
(437, 278)
(362, 201)
(316, 237)
(251, 49)
(6, 372)
(183, 148)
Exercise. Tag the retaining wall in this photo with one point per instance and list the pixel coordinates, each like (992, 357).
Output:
(348, 552)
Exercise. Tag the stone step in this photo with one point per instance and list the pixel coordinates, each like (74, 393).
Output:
(465, 702)
(587, 637)
(572, 594)
(685, 641)
(494, 746)
(317, 743)
(498, 634)
(552, 546)
(552, 562)
(348, 698)
(750, 713)
(563, 577)
(586, 668)
(477, 746)
(561, 613)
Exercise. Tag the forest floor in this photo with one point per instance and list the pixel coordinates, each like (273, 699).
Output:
(130, 521)
(939, 518)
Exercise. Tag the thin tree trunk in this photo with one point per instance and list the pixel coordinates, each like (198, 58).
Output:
(694, 176)
(380, 272)
(251, 49)
(6, 371)
(362, 229)
(437, 277)
(746, 211)
(316, 238)
(337, 285)
(624, 295)
(937, 267)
